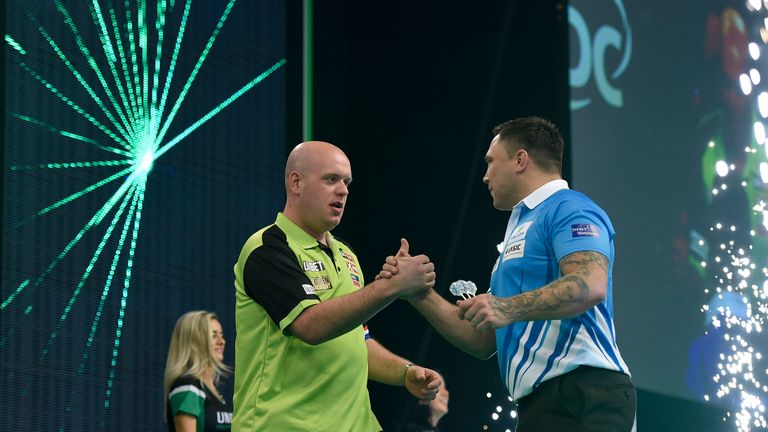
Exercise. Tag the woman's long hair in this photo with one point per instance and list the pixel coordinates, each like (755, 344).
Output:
(190, 352)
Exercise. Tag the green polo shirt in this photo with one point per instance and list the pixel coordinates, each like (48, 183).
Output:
(282, 383)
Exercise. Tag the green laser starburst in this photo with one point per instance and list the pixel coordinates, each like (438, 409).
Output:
(126, 85)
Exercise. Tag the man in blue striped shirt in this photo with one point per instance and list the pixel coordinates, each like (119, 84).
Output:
(550, 300)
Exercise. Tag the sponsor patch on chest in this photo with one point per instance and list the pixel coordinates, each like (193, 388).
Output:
(516, 242)
(346, 256)
(321, 283)
(515, 250)
(313, 266)
(585, 230)
(352, 267)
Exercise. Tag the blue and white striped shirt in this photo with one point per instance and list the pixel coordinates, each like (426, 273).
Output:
(549, 224)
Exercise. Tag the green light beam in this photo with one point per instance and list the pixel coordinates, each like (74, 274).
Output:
(132, 112)
(124, 300)
(195, 70)
(106, 44)
(106, 41)
(14, 294)
(175, 56)
(15, 45)
(87, 272)
(95, 220)
(80, 193)
(159, 27)
(104, 294)
(85, 84)
(108, 284)
(90, 58)
(109, 51)
(134, 60)
(220, 107)
(143, 43)
(134, 121)
(72, 135)
(73, 105)
(57, 165)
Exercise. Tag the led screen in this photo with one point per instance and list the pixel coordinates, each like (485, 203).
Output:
(143, 143)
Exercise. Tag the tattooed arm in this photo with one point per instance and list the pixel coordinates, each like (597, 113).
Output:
(444, 317)
(582, 285)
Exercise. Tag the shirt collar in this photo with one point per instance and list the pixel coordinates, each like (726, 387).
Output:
(543, 192)
(297, 234)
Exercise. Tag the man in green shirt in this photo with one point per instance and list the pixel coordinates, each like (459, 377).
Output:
(302, 353)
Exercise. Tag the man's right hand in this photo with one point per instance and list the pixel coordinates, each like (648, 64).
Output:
(389, 268)
(411, 275)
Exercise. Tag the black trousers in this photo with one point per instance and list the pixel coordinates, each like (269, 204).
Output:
(584, 400)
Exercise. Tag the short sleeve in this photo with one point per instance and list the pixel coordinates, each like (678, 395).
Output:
(580, 228)
(186, 398)
(273, 279)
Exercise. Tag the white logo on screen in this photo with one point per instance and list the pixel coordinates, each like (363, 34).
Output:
(591, 50)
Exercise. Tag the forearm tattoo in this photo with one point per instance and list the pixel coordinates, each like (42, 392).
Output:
(569, 289)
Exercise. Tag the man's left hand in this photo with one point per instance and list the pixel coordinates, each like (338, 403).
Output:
(423, 383)
(484, 312)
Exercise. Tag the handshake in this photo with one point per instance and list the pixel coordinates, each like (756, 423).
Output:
(409, 276)
(412, 277)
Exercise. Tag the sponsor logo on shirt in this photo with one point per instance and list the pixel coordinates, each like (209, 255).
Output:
(223, 417)
(346, 256)
(349, 260)
(352, 267)
(519, 232)
(515, 250)
(516, 242)
(309, 289)
(313, 266)
(321, 283)
(585, 230)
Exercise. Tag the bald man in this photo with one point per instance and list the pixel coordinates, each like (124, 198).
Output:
(302, 354)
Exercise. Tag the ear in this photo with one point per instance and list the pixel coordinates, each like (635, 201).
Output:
(521, 159)
(294, 182)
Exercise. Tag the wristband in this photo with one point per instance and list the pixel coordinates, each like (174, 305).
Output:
(405, 372)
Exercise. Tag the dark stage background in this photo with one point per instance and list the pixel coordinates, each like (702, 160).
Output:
(411, 90)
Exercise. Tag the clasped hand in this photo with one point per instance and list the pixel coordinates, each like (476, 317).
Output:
(414, 275)
(484, 312)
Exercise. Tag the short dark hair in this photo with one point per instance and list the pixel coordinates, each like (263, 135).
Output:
(538, 136)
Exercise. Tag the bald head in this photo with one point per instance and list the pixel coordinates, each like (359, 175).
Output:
(317, 175)
(309, 153)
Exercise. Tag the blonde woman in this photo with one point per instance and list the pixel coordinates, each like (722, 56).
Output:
(194, 366)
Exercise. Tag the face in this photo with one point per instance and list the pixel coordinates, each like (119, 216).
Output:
(217, 338)
(500, 176)
(324, 192)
